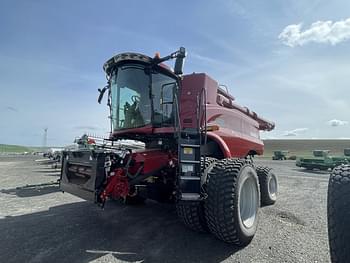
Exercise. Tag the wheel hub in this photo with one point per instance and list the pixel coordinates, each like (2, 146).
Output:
(249, 201)
(272, 187)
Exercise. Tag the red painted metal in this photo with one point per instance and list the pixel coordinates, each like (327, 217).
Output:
(239, 127)
(222, 144)
(148, 129)
(191, 88)
(142, 130)
(117, 185)
(151, 159)
(91, 141)
(238, 133)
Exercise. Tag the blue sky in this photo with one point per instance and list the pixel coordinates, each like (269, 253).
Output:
(271, 54)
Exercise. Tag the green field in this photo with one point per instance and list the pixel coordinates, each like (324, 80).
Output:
(305, 147)
(6, 148)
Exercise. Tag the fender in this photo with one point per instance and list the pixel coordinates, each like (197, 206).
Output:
(222, 144)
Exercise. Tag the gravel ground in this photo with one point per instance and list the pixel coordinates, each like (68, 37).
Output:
(41, 224)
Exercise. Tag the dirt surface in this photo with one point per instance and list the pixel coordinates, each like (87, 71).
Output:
(41, 224)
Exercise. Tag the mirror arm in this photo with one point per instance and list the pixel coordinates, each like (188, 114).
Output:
(157, 61)
(102, 92)
(173, 55)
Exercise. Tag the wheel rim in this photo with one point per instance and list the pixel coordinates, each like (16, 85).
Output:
(248, 202)
(272, 186)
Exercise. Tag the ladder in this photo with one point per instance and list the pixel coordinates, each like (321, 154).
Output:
(190, 141)
(190, 166)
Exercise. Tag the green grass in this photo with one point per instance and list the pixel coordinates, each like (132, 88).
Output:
(6, 148)
(305, 147)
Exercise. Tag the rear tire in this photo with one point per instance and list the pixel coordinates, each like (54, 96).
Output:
(338, 211)
(191, 213)
(233, 201)
(268, 185)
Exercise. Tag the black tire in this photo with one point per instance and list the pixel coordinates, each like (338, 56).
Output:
(191, 213)
(224, 202)
(338, 211)
(268, 185)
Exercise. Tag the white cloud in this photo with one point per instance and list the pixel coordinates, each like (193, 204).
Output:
(336, 123)
(294, 132)
(319, 32)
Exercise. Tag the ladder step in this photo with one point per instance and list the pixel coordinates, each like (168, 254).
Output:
(190, 145)
(190, 132)
(190, 196)
(193, 162)
(190, 178)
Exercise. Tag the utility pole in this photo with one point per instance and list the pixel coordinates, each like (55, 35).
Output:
(45, 138)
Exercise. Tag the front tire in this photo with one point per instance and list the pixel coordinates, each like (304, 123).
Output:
(338, 211)
(233, 201)
(191, 213)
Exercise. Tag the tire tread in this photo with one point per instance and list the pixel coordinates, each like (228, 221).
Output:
(220, 204)
(338, 213)
(191, 213)
(263, 174)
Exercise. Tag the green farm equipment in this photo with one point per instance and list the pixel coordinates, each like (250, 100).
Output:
(280, 155)
(322, 160)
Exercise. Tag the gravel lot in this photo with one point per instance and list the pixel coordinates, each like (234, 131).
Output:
(41, 224)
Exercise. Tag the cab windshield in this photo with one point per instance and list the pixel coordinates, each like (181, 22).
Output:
(135, 104)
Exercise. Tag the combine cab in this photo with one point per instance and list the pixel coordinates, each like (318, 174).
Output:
(196, 148)
(280, 155)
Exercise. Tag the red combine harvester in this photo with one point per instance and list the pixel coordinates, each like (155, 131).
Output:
(197, 148)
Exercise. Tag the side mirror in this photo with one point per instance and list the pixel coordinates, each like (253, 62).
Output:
(102, 92)
(179, 62)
